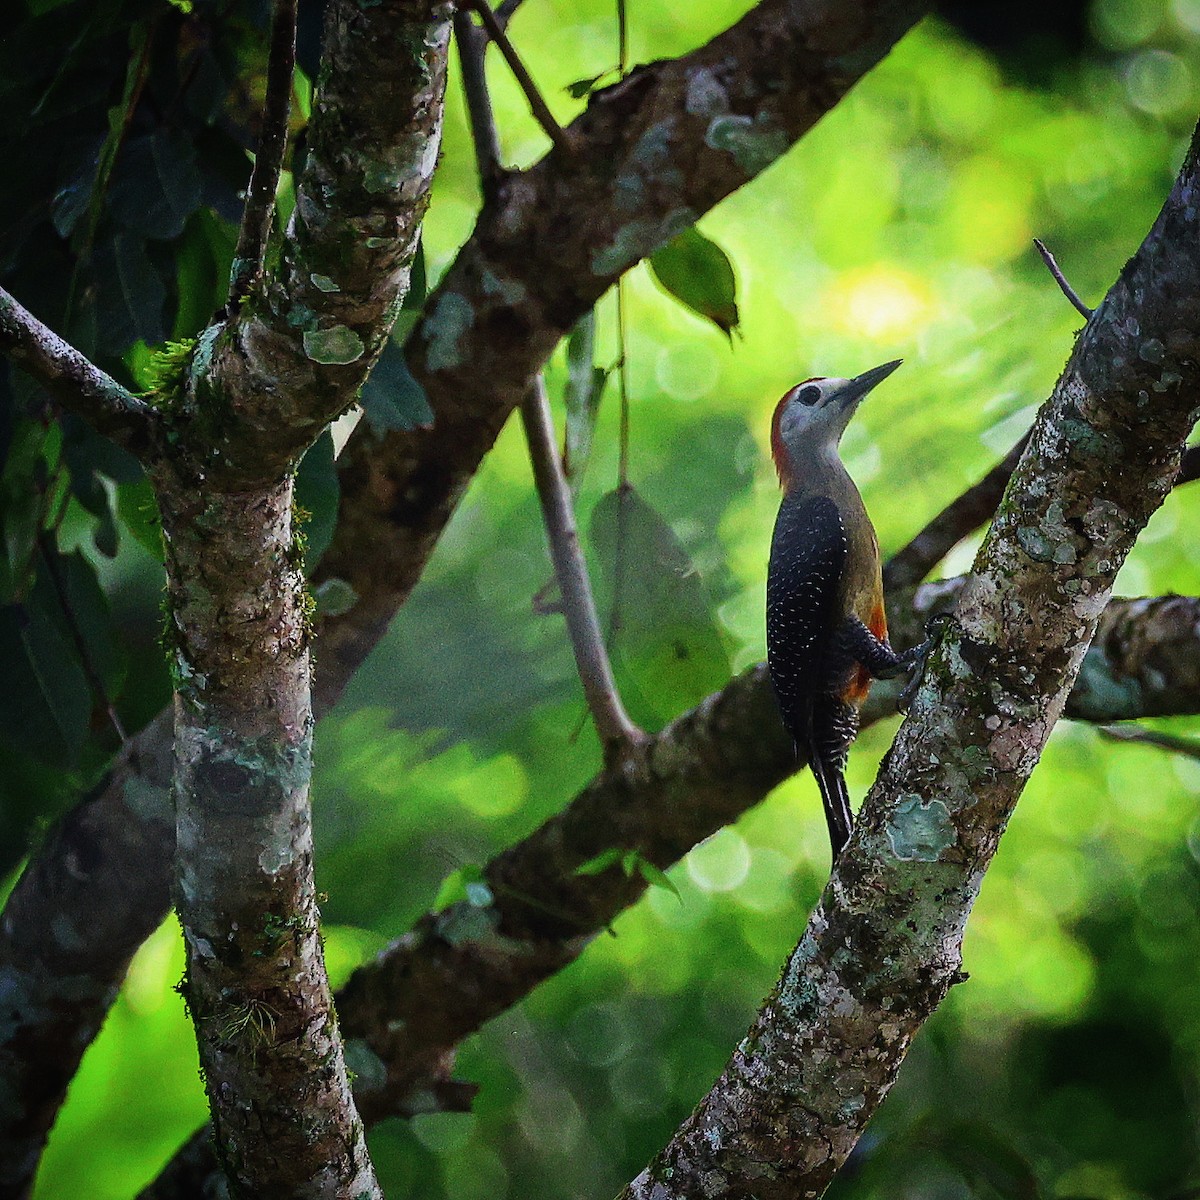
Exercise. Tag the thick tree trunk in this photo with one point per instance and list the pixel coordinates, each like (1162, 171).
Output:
(238, 632)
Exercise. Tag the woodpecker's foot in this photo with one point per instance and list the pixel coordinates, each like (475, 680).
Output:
(918, 656)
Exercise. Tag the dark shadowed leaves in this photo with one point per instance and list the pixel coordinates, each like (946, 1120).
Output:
(698, 273)
(391, 397)
(45, 697)
(129, 295)
(317, 492)
(156, 184)
(667, 650)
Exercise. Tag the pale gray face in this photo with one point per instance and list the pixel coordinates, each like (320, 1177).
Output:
(815, 413)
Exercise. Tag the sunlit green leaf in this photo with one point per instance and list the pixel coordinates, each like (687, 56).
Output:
(698, 273)
(600, 862)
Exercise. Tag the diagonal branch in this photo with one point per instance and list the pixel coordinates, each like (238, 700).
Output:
(555, 239)
(884, 944)
(255, 231)
(78, 385)
(617, 731)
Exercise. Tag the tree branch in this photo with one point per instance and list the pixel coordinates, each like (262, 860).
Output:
(504, 306)
(255, 231)
(298, 355)
(537, 105)
(883, 946)
(72, 380)
(1059, 278)
(616, 730)
(555, 239)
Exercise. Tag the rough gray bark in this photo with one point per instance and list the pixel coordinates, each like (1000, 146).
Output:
(883, 945)
(220, 442)
(260, 387)
(393, 511)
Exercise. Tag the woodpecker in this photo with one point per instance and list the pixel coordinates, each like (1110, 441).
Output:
(826, 629)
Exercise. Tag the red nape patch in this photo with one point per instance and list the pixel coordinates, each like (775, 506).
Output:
(778, 451)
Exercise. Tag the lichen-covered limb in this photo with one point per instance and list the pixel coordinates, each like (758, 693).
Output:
(884, 943)
(104, 871)
(652, 154)
(707, 767)
(273, 375)
(78, 385)
(255, 983)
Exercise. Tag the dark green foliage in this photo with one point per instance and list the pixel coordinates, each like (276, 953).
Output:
(668, 652)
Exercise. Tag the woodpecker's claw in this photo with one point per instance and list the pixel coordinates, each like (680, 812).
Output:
(918, 656)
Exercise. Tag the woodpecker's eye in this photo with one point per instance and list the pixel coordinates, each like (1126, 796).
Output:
(808, 395)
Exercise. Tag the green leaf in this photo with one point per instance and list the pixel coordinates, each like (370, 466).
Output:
(601, 862)
(391, 397)
(155, 184)
(466, 884)
(45, 693)
(335, 597)
(668, 652)
(90, 615)
(585, 87)
(138, 510)
(318, 493)
(202, 266)
(129, 295)
(656, 877)
(698, 273)
(582, 395)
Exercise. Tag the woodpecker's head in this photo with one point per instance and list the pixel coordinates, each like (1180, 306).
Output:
(814, 414)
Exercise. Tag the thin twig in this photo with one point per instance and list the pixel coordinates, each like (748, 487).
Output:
(1059, 278)
(578, 604)
(472, 41)
(1189, 747)
(622, 39)
(506, 11)
(255, 231)
(614, 624)
(541, 112)
(579, 607)
(77, 384)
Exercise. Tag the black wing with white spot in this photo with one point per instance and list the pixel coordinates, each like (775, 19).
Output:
(808, 555)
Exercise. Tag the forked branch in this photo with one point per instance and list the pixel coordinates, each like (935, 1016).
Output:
(255, 230)
(75, 382)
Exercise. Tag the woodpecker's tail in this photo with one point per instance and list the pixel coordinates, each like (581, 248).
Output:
(832, 726)
(834, 796)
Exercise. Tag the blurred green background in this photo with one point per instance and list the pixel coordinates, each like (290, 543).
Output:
(901, 227)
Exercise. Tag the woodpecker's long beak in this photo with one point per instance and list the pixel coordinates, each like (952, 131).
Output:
(860, 385)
